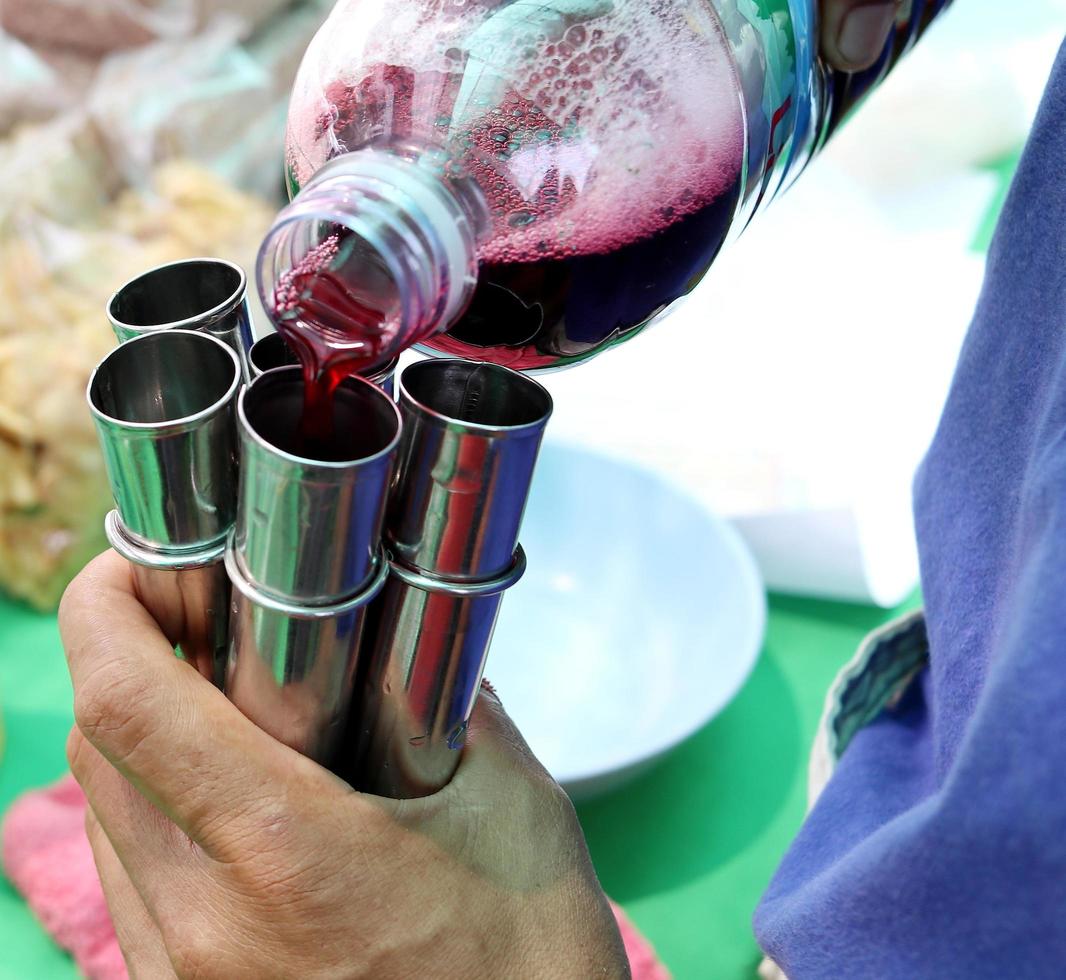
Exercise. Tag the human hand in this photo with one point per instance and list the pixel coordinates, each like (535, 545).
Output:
(223, 853)
(854, 32)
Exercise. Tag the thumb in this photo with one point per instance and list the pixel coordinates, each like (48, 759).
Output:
(855, 32)
(494, 747)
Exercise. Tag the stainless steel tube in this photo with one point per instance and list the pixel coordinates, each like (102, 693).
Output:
(308, 530)
(471, 437)
(304, 559)
(270, 351)
(164, 406)
(204, 294)
(188, 593)
(424, 666)
(291, 667)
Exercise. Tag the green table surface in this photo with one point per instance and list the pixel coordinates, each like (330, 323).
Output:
(686, 849)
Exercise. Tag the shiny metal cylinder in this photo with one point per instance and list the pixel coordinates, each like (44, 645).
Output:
(308, 530)
(471, 437)
(271, 351)
(424, 663)
(187, 593)
(163, 405)
(204, 294)
(291, 668)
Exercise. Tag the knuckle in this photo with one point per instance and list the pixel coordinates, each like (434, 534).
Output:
(251, 828)
(112, 709)
(194, 949)
(71, 604)
(79, 756)
(80, 596)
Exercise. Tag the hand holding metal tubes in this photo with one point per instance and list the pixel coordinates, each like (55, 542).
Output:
(225, 854)
(281, 844)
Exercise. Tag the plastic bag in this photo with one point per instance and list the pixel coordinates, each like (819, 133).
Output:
(101, 26)
(137, 166)
(211, 99)
(67, 241)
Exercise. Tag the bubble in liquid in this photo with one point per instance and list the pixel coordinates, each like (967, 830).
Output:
(645, 128)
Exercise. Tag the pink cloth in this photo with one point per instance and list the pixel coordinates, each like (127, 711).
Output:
(47, 856)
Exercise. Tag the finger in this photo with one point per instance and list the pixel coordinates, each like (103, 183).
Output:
(855, 32)
(172, 734)
(494, 746)
(138, 936)
(146, 841)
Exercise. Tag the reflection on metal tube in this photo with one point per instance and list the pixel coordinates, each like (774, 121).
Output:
(291, 667)
(470, 443)
(471, 437)
(163, 405)
(203, 294)
(308, 530)
(424, 667)
(304, 561)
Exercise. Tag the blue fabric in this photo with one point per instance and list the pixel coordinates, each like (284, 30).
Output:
(938, 849)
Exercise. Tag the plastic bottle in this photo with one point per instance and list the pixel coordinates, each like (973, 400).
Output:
(538, 178)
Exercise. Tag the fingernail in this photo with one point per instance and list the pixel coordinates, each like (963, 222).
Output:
(864, 32)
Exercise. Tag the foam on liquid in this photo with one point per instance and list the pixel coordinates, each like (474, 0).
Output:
(596, 125)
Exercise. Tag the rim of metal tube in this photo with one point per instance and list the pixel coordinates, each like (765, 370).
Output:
(408, 400)
(206, 318)
(246, 428)
(150, 556)
(170, 425)
(434, 583)
(240, 582)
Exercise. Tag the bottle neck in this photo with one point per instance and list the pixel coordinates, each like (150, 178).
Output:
(409, 233)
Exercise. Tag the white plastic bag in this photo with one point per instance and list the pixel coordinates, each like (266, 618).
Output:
(100, 26)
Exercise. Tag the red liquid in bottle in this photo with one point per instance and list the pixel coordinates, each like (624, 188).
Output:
(563, 269)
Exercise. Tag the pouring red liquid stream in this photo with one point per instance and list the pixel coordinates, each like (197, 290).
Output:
(336, 327)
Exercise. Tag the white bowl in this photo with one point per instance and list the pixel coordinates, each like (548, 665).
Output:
(639, 619)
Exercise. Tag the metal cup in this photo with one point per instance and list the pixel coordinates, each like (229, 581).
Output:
(271, 351)
(291, 667)
(304, 560)
(202, 294)
(308, 530)
(471, 437)
(423, 670)
(187, 593)
(163, 405)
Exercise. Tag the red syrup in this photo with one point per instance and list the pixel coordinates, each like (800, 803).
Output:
(338, 324)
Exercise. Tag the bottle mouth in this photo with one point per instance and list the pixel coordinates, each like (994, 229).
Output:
(339, 275)
(379, 249)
